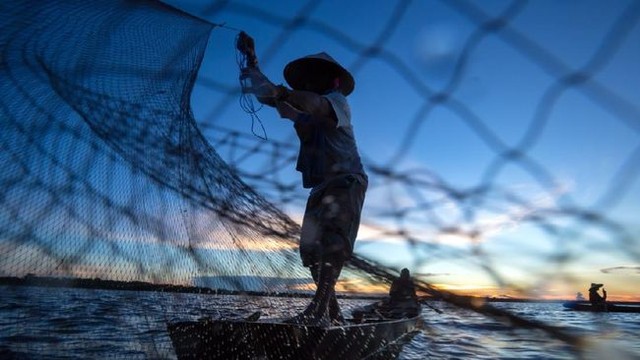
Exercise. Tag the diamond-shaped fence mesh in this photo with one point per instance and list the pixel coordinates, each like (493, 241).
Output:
(109, 181)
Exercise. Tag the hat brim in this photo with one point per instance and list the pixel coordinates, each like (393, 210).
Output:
(319, 72)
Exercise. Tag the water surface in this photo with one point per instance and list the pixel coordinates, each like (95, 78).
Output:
(64, 323)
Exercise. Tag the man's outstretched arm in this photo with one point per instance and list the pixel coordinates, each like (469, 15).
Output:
(304, 119)
(310, 103)
(269, 94)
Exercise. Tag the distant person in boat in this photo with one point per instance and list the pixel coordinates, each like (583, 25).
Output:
(403, 290)
(597, 301)
(330, 165)
(401, 303)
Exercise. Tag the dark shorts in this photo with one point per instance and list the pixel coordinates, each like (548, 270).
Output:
(331, 220)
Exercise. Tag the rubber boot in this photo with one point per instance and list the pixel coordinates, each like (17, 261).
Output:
(309, 310)
(317, 312)
(335, 314)
(334, 308)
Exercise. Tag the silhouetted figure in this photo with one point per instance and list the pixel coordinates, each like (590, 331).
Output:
(330, 165)
(401, 303)
(599, 303)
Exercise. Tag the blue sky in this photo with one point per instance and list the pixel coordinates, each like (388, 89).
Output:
(504, 92)
(501, 140)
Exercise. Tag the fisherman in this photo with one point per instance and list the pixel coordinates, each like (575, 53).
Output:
(403, 301)
(599, 303)
(330, 165)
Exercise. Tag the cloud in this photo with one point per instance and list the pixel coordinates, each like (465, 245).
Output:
(497, 216)
(429, 274)
(621, 268)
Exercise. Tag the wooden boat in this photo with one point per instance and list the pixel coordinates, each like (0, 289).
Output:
(586, 306)
(271, 339)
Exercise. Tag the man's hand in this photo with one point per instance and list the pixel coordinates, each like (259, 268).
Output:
(287, 111)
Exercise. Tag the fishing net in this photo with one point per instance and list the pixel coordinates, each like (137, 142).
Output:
(109, 183)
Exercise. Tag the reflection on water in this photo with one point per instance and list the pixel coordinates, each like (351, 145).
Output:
(78, 323)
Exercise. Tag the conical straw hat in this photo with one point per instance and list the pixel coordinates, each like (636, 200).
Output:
(320, 68)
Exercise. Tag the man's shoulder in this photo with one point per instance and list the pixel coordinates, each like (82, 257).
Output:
(340, 107)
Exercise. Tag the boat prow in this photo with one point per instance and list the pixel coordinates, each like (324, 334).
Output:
(273, 339)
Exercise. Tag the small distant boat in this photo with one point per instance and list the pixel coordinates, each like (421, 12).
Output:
(586, 306)
(270, 339)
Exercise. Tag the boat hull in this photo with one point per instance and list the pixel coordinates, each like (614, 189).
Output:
(586, 306)
(229, 339)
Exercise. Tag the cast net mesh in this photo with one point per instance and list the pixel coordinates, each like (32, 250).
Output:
(108, 181)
